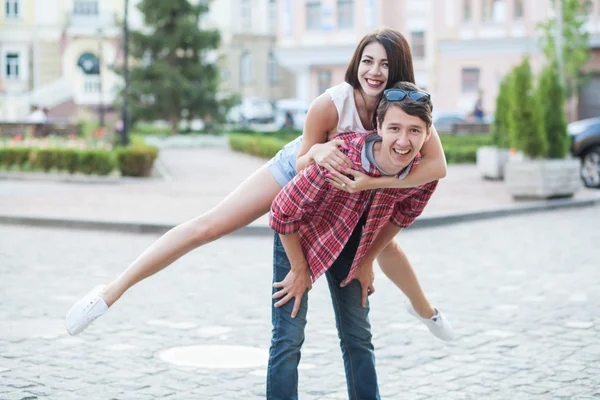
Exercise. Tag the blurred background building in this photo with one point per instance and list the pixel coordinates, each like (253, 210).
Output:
(59, 54)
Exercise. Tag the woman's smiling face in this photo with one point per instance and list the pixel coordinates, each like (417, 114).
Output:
(373, 69)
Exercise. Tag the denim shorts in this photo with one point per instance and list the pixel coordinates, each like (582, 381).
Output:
(283, 165)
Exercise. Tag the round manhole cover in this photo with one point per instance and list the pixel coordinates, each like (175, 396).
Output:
(216, 357)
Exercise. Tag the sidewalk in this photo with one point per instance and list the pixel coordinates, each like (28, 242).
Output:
(194, 180)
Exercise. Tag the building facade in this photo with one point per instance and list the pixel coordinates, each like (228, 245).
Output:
(316, 39)
(57, 54)
(247, 60)
(479, 41)
(461, 48)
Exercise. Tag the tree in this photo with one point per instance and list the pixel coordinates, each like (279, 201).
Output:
(551, 96)
(525, 125)
(575, 45)
(500, 126)
(172, 76)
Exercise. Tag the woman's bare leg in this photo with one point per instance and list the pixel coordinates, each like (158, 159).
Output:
(397, 268)
(245, 204)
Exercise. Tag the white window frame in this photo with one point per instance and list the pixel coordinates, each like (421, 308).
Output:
(12, 69)
(493, 11)
(86, 8)
(246, 72)
(13, 9)
(313, 15)
(273, 68)
(22, 52)
(470, 86)
(246, 14)
(418, 43)
(345, 14)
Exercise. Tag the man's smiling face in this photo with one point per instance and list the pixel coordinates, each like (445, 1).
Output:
(403, 136)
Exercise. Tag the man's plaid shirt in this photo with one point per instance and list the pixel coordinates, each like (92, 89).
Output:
(325, 217)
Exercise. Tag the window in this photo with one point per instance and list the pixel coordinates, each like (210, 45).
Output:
(91, 85)
(418, 44)
(246, 68)
(89, 64)
(470, 80)
(313, 14)
(11, 8)
(345, 13)
(272, 15)
(12, 66)
(324, 81)
(246, 13)
(493, 10)
(273, 68)
(86, 8)
(467, 10)
(519, 12)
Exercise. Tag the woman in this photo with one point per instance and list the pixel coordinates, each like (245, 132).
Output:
(381, 58)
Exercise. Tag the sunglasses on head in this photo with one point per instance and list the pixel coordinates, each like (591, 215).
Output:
(399, 94)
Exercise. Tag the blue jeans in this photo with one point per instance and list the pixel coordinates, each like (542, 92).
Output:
(354, 331)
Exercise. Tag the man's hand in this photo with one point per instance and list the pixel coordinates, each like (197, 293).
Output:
(296, 282)
(365, 275)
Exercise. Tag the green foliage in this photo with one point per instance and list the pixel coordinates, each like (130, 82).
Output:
(458, 149)
(46, 159)
(525, 124)
(551, 96)
(172, 77)
(575, 48)
(136, 160)
(500, 125)
(96, 162)
(15, 156)
(68, 160)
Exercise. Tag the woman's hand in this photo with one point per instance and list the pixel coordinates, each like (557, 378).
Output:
(361, 181)
(329, 156)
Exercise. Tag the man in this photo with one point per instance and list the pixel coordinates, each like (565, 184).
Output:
(312, 238)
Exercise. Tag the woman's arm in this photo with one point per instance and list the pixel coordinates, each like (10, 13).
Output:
(432, 167)
(321, 119)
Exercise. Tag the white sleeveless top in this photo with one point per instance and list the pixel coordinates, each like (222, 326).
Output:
(348, 118)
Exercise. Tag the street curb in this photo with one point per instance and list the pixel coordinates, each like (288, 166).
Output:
(263, 229)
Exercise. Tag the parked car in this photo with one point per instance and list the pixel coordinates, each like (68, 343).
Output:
(585, 144)
(252, 110)
(291, 113)
(445, 122)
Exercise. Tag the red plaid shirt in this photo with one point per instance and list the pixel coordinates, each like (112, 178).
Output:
(325, 217)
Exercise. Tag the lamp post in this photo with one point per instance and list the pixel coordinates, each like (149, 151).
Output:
(124, 111)
(101, 86)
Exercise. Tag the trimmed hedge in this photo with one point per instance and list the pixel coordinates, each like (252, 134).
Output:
(458, 149)
(131, 161)
(136, 160)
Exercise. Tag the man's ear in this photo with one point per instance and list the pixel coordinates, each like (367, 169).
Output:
(378, 128)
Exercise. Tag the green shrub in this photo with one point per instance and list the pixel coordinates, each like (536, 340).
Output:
(45, 159)
(16, 156)
(260, 146)
(500, 125)
(68, 160)
(136, 160)
(551, 96)
(98, 162)
(525, 125)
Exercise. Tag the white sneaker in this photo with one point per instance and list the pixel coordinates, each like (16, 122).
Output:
(438, 324)
(85, 311)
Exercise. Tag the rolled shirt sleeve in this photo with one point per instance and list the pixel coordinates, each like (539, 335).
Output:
(408, 209)
(298, 199)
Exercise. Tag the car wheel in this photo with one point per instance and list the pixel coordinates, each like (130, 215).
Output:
(590, 168)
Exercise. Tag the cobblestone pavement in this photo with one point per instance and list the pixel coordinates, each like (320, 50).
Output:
(522, 293)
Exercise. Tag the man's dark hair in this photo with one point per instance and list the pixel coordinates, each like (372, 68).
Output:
(421, 109)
